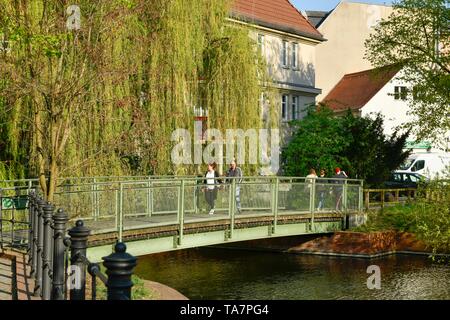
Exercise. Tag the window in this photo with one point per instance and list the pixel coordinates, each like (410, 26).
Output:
(295, 55)
(284, 54)
(419, 165)
(262, 105)
(261, 43)
(295, 111)
(400, 93)
(284, 104)
(419, 93)
(414, 178)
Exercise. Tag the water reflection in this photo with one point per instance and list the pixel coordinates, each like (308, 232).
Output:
(226, 274)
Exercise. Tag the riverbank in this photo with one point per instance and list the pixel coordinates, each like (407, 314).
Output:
(364, 245)
(160, 291)
(343, 243)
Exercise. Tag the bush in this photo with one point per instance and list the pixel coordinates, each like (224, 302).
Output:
(428, 217)
(357, 144)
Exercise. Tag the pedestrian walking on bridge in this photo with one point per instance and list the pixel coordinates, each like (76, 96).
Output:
(235, 172)
(211, 183)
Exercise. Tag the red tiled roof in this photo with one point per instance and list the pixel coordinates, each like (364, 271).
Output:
(276, 14)
(354, 90)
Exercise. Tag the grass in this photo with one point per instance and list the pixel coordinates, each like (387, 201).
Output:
(138, 292)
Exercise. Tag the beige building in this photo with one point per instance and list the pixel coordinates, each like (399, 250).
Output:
(288, 41)
(345, 28)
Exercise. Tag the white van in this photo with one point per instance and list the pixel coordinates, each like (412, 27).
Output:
(428, 164)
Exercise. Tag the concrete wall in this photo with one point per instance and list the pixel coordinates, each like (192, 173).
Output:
(346, 29)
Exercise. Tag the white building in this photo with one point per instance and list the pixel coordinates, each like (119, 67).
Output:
(380, 90)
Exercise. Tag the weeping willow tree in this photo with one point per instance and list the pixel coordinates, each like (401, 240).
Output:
(103, 99)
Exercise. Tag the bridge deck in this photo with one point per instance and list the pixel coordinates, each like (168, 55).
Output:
(144, 227)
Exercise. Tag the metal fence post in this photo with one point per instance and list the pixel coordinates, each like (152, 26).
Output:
(119, 268)
(181, 212)
(360, 201)
(233, 206)
(59, 226)
(275, 204)
(78, 245)
(149, 197)
(120, 217)
(40, 247)
(344, 203)
(35, 230)
(313, 202)
(47, 251)
(31, 198)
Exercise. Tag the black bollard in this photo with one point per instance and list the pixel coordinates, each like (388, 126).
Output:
(78, 245)
(40, 247)
(30, 227)
(119, 268)
(47, 252)
(60, 219)
(34, 228)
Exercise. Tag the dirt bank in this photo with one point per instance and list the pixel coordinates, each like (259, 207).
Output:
(160, 291)
(362, 244)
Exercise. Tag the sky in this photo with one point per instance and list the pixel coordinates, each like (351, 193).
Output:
(327, 5)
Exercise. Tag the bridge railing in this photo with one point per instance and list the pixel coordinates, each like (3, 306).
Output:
(57, 256)
(128, 204)
(379, 198)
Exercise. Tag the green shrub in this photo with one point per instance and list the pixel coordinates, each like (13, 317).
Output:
(428, 217)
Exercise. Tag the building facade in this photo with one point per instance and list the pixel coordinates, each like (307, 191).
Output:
(288, 41)
(345, 28)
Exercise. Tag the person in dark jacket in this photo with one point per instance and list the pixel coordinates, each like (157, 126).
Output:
(339, 179)
(236, 172)
(211, 183)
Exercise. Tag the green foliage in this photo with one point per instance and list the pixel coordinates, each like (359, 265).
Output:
(428, 217)
(410, 37)
(398, 218)
(355, 144)
(105, 99)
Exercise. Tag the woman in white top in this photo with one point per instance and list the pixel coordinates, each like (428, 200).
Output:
(310, 178)
(211, 186)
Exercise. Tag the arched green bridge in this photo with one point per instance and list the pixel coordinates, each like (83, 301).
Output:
(158, 214)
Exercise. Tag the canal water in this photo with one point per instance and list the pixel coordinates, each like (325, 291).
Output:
(210, 273)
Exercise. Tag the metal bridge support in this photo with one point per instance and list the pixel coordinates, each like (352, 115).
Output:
(119, 268)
